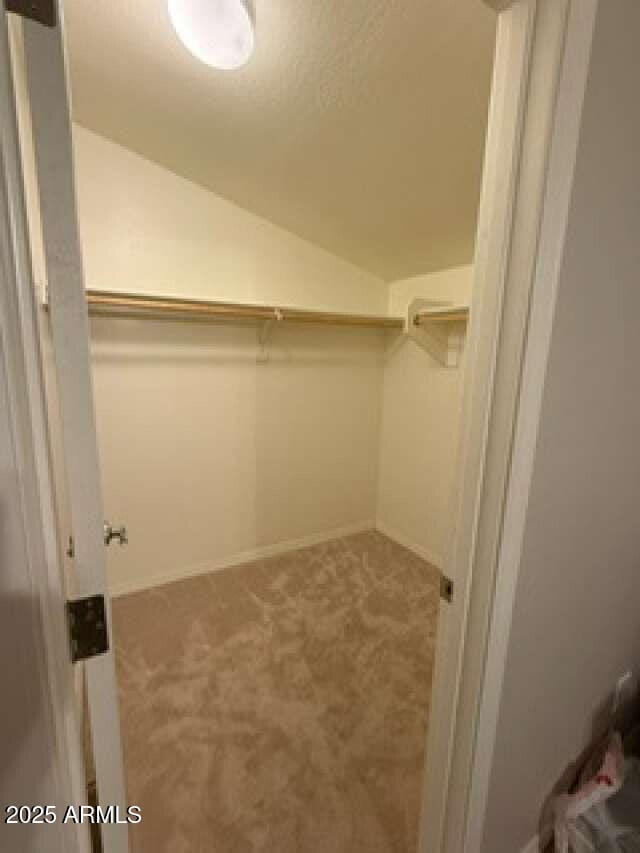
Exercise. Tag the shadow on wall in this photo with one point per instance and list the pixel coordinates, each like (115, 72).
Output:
(25, 760)
(18, 613)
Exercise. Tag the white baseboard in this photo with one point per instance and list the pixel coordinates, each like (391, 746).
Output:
(435, 559)
(532, 847)
(249, 556)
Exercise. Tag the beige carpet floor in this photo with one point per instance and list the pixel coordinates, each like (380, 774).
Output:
(280, 706)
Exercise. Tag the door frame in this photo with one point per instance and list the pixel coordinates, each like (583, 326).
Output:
(553, 221)
(541, 67)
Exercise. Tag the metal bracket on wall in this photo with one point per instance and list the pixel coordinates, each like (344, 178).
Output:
(42, 11)
(265, 333)
(439, 328)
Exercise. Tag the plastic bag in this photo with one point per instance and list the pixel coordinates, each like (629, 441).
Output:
(603, 815)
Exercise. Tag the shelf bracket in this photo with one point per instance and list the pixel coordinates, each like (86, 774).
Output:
(264, 335)
(441, 335)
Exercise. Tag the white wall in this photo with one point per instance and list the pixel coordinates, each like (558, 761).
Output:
(419, 435)
(575, 626)
(148, 230)
(208, 455)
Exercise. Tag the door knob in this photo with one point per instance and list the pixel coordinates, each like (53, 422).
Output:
(111, 533)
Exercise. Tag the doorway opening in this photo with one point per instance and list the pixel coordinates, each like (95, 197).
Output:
(279, 269)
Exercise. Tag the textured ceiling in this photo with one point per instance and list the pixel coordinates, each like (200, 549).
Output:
(357, 124)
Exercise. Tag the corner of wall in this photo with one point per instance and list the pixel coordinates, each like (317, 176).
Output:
(419, 426)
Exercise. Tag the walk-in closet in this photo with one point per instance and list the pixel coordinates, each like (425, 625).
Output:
(279, 264)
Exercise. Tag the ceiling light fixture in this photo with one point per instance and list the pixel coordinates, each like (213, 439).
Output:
(219, 33)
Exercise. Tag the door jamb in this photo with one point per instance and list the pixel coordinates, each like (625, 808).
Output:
(530, 65)
(563, 146)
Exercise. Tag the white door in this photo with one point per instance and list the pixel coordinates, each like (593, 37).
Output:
(51, 123)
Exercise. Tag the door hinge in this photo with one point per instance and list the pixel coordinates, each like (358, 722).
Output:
(43, 11)
(87, 627)
(446, 588)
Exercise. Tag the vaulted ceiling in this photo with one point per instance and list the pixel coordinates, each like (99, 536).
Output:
(358, 124)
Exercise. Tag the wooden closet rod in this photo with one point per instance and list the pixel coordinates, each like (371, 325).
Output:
(106, 302)
(441, 315)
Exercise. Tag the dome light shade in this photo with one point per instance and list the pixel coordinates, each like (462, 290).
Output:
(218, 32)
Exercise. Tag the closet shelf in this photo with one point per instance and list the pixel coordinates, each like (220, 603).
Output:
(104, 302)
